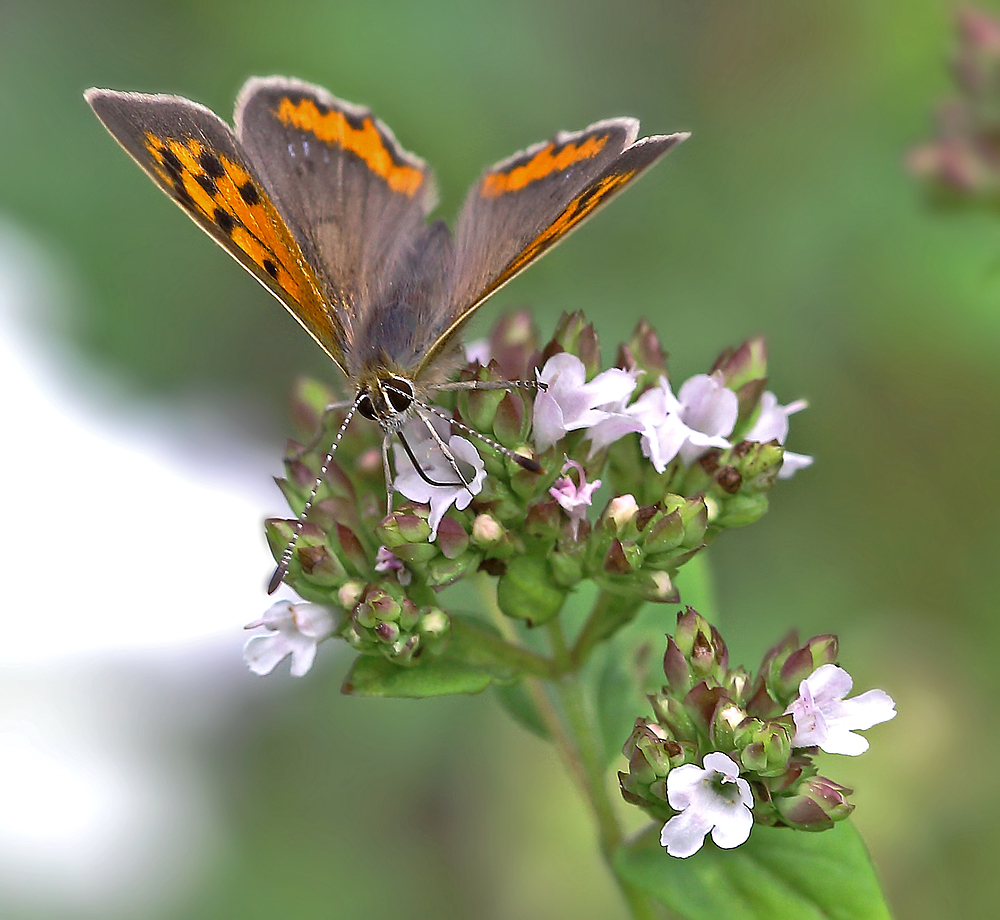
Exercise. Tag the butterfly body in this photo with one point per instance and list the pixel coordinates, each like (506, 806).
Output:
(319, 202)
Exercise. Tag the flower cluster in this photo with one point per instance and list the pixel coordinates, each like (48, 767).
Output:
(726, 749)
(675, 470)
(961, 164)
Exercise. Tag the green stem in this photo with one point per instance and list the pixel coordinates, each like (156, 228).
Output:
(483, 646)
(610, 613)
(588, 766)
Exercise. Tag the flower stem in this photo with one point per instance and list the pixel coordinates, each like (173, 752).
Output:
(588, 767)
(611, 612)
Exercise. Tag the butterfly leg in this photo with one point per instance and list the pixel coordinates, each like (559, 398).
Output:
(387, 473)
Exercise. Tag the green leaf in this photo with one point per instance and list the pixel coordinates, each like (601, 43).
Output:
(373, 675)
(618, 703)
(518, 704)
(778, 874)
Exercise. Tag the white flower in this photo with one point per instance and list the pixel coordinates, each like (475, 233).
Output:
(772, 425)
(292, 629)
(714, 799)
(446, 488)
(574, 499)
(569, 402)
(701, 416)
(823, 718)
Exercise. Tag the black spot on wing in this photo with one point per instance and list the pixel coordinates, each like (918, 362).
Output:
(224, 221)
(211, 164)
(249, 194)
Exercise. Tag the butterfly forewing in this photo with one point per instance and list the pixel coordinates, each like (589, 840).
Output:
(354, 199)
(527, 203)
(193, 156)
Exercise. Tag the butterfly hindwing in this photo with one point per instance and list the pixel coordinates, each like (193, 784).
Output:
(193, 156)
(354, 199)
(524, 205)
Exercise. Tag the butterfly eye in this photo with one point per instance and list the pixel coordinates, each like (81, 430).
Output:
(400, 394)
(366, 407)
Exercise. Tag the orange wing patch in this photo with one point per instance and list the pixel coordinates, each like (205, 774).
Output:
(578, 209)
(222, 195)
(548, 160)
(334, 129)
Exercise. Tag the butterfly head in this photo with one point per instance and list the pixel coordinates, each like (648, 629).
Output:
(386, 399)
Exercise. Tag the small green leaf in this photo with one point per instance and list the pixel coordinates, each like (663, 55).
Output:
(618, 703)
(778, 874)
(517, 703)
(373, 675)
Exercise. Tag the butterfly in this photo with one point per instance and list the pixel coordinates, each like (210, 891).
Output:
(318, 201)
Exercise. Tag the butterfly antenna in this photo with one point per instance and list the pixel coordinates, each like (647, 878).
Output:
(528, 463)
(281, 570)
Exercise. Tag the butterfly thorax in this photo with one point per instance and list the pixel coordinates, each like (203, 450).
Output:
(387, 399)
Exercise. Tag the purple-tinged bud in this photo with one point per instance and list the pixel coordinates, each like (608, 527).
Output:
(737, 683)
(801, 663)
(508, 420)
(644, 351)
(575, 335)
(816, 805)
(403, 527)
(452, 538)
(672, 714)
(512, 342)
(676, 669)
(409, 614)
(545, 520)
(658, 588)
(320, 566)
(351, 548)
(647, 751)
(376, 606)
(701, 644)
(622, 558)
(387, 632)
(702, 702)
(744, 364)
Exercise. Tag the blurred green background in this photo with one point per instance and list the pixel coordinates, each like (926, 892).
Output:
(789, 212)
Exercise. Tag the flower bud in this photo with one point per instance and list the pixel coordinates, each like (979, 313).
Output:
(513, 342)
(576, 336)
(644, 352)
(816, 805)
(674, 716)
(701, 644)
(764, 747)
(677, 669)
(619, 513)
(508, 420)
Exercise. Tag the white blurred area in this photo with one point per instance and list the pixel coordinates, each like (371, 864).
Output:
(120, 646)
